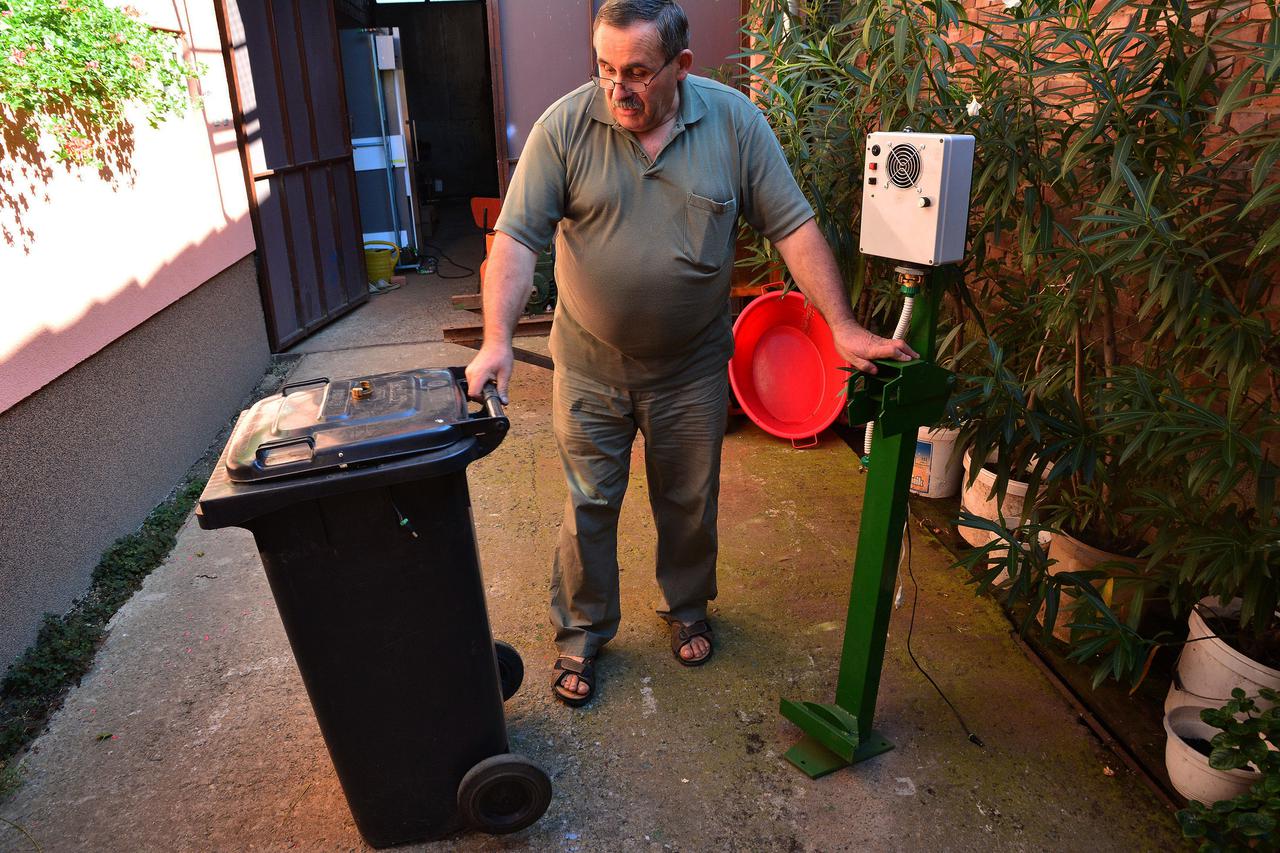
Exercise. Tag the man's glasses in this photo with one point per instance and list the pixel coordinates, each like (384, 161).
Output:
(609, 84)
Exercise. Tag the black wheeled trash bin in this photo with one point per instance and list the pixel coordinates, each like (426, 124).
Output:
(356, 494)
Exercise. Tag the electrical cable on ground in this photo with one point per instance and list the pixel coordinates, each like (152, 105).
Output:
(915, 598)
(469, 270)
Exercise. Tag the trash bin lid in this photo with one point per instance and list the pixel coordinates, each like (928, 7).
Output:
(324, 424)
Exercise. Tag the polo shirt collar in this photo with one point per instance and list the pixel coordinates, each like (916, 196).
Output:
(692, 105)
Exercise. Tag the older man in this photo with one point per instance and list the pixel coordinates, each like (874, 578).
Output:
(640, 176)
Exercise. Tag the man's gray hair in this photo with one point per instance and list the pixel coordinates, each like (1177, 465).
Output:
(673, 26)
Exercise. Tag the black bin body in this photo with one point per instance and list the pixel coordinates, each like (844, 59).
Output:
(384, 624)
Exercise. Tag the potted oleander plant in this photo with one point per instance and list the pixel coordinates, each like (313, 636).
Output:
(1208, 502)
(1161, 264)
(1110, 249)
(1215, 530)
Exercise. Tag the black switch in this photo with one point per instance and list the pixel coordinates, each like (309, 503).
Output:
(871, 181)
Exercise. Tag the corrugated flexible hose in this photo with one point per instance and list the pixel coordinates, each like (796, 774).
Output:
(899, 333)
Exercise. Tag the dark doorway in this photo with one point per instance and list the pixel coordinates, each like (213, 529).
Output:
(445, 49)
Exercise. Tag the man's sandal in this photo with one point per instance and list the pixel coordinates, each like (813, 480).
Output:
(586, 672)
(682, 635)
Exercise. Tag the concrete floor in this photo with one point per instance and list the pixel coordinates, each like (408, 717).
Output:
(193, 731)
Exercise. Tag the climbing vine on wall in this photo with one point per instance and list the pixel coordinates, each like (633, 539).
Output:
(71, 69)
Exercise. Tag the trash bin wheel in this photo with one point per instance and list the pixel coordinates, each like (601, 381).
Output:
(504, 793)
(510, 668)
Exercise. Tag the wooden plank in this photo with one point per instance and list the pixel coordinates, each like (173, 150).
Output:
(462, 333)
(466, 301)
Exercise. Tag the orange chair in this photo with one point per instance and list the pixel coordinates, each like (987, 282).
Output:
(488, 242)
(485, 212)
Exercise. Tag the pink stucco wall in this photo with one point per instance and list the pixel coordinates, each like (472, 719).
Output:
(88, 260)
(546, 52)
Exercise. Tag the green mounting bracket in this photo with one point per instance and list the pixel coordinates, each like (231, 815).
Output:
(830, 725)
(902, 397)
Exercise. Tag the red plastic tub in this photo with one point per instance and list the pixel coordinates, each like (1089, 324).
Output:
(785, 370)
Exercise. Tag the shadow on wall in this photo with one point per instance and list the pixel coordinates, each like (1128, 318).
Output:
(40, 357)
(26, 167)
(111, 436)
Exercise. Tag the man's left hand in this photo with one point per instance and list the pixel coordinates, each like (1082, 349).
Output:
(860, 347)
(808, 257)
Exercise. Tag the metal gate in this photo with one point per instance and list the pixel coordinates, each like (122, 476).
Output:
(291, 121)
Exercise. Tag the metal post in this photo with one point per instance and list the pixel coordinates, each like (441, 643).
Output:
(841, 734)
(385, 129)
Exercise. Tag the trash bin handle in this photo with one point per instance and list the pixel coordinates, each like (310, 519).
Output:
(292, 386)
(492, 401)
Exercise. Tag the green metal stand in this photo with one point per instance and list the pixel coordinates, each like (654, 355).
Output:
(902, 397)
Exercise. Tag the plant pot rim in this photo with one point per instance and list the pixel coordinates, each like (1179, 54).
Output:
(1185, 720)
(1097, 555)
(1198, 627)
(1015, 487)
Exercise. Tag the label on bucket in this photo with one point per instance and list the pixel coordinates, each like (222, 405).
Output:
(920, 467)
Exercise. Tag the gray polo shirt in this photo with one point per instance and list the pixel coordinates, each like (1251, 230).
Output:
(644, 251)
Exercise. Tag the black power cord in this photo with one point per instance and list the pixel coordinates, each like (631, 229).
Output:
(915, 598)
(469, 271)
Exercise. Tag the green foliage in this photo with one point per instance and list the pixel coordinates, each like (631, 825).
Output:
(1215, 522)
(71, 68)
(65, 645)
(825, 81)
(1250, 736)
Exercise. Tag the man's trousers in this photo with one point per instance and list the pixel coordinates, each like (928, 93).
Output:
(595, 426)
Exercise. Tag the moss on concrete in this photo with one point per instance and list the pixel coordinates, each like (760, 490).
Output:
(35, 684)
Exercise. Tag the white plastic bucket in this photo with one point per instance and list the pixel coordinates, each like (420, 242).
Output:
(938, 469)
(1208, 668)
(1189, 770)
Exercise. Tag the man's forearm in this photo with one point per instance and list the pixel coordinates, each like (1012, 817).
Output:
(809, 259)
(507, 279)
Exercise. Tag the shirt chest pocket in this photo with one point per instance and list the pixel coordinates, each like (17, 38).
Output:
(709, 227)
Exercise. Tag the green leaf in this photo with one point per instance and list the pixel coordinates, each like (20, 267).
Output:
(913, 85)
(1266, 242)
(1231, 98)
(1263, 198)
(1253, 824)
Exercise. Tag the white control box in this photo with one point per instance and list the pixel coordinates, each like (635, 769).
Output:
(915, 196)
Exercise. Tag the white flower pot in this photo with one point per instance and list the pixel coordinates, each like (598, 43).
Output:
(1189, 770)
(978, 498)
(1208, 669)
(1068, 554)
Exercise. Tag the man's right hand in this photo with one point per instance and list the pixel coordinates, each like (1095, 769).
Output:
(505, 290)
(493, 362)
